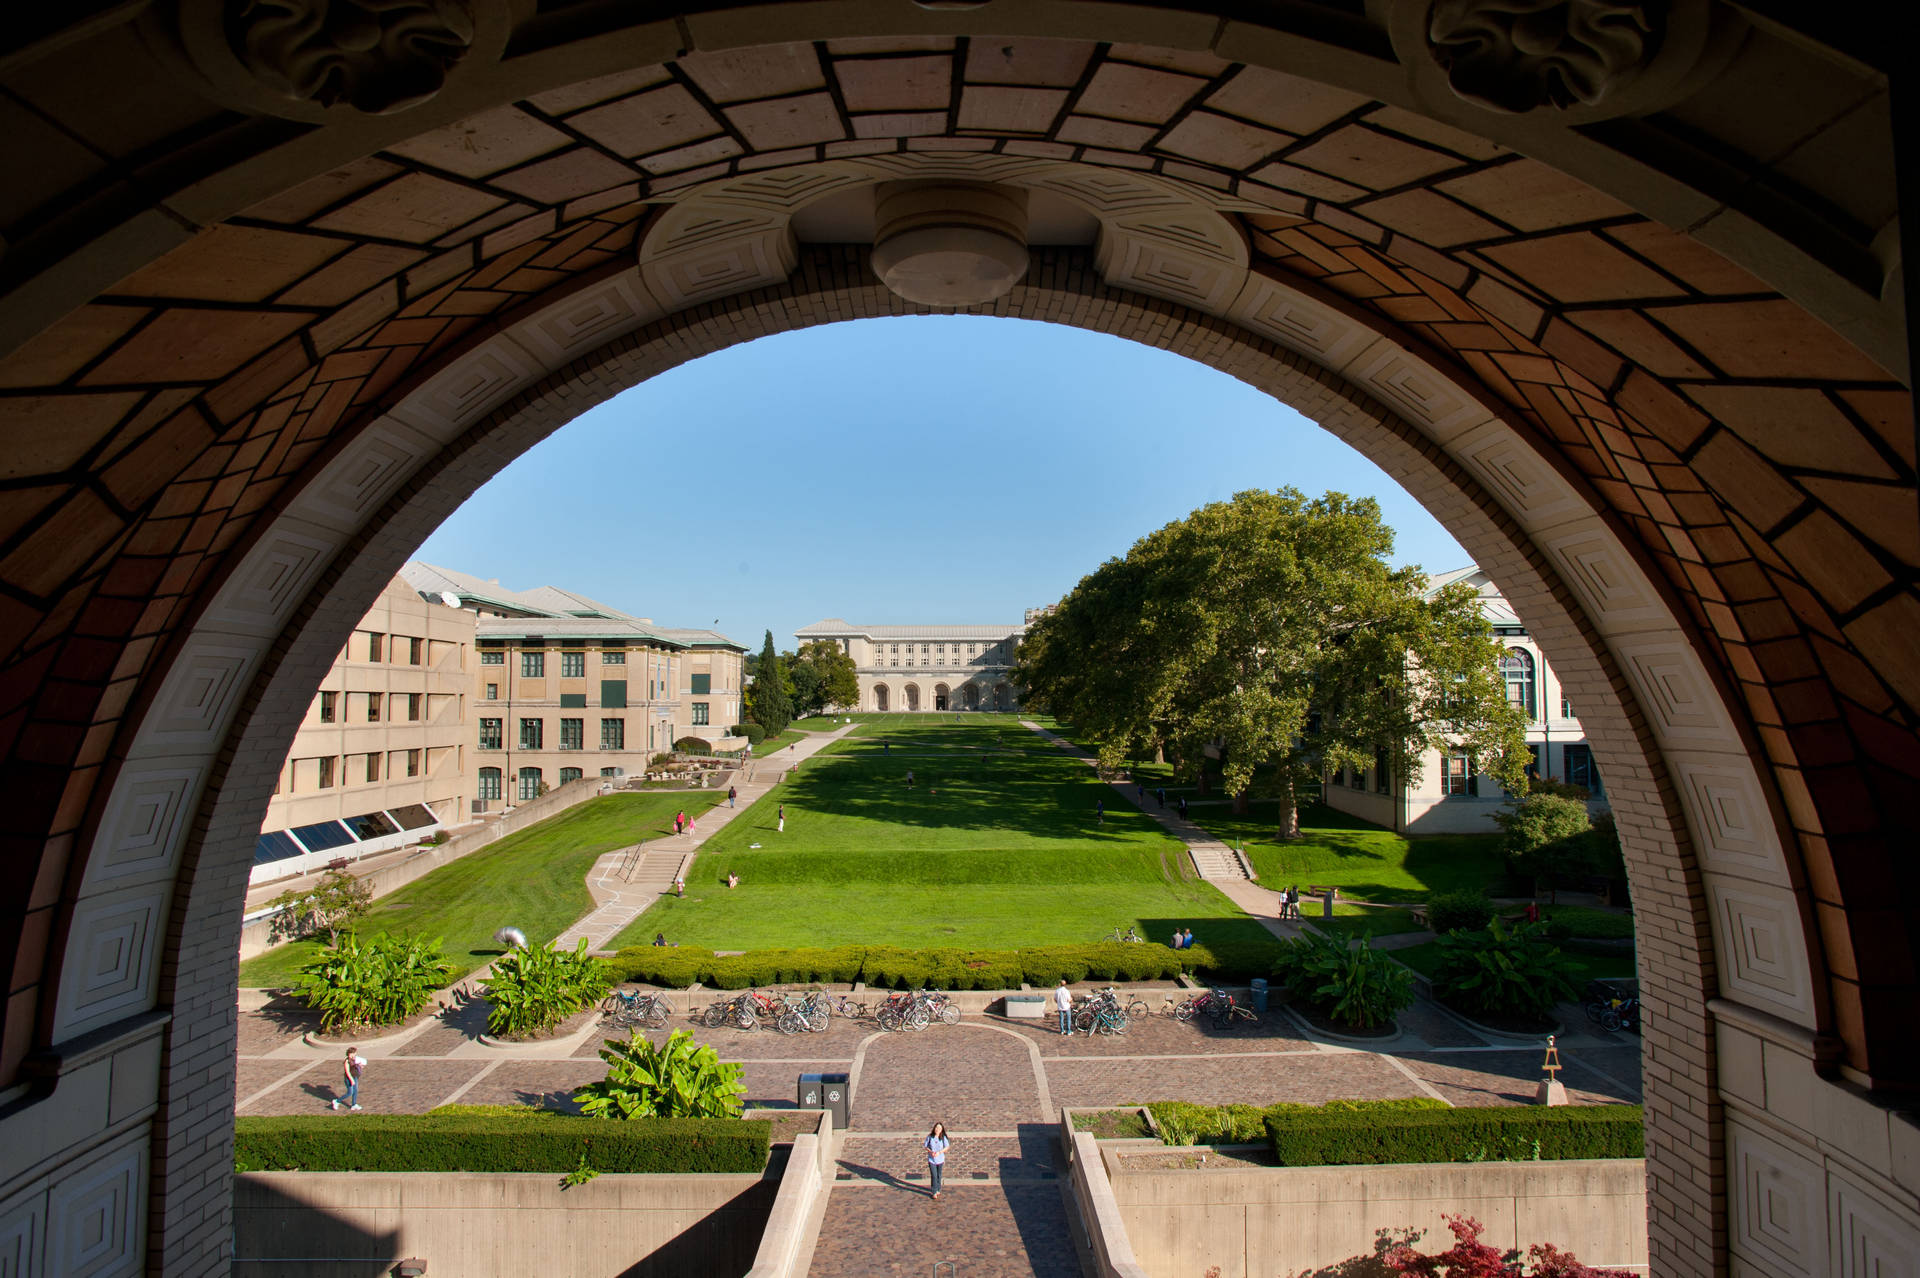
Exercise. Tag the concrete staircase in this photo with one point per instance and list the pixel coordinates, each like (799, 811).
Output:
(655, 871)
(1215, 860)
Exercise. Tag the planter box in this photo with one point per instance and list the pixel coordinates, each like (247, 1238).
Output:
(1027, 1006)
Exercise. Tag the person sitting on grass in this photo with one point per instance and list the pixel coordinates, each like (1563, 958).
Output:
(660, 938)
(733, 880)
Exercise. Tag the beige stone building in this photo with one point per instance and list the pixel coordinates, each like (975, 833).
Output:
(1450, 796)
(566, 687)
(927, 668)
(381, 758)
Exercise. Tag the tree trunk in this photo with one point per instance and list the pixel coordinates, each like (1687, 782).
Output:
(1243, 802)
(1159, 753)
(1289, 808)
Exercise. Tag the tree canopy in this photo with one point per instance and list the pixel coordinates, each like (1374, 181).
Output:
(823, 676)
(769, 702)
(1272, 630)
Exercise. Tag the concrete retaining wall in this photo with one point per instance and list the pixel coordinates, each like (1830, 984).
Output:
(357, 1224)
(1258, 1222)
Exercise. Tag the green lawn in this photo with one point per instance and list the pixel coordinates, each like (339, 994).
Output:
(780, 742)
(1353, 920)
(1362, 860)
(1425, 959)
(820, 723)
(997, 844)
(534, 879)
(1585, 920)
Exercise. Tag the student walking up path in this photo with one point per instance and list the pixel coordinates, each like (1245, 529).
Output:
(618, 902)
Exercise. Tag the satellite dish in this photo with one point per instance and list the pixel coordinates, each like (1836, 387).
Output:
(450, 599)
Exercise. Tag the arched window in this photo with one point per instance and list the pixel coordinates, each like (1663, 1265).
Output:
(569, 774)
(489, 784)
(1517, 669)
(529, 784)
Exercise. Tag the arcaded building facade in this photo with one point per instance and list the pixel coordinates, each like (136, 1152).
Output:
(1618, 292)
(927, 668)
(1450, 796)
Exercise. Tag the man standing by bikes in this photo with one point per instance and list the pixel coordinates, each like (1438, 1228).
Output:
(1063, 1003)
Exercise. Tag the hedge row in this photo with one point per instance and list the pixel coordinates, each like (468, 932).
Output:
(497, 1143)
(884, 966)
(1185, 1123)
(1319, 1138)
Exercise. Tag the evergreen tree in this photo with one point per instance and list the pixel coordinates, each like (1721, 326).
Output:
(770, 706)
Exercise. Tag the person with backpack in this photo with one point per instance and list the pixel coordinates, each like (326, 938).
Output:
(350, 1070)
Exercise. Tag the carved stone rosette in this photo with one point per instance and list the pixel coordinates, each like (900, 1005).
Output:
(1515, 55)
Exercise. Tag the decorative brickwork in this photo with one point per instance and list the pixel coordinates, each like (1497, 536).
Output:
(1699, 494)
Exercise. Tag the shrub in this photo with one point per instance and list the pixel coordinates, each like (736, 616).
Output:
(1558, 788)
(1542, 836)
(677, 1079)
(1324, 1137)
(693, 745)
(1354, 985)
(534, 988)
(896, 967)
(464, 1142)
(383, 981)
(1233, 960)
(1502, 972)
(1471, 1258)
(753, 732)
(1458, 911)
(659, 761)
(333, 905)
(1184, 1123)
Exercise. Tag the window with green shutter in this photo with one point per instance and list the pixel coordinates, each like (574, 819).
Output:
(702, 684)
(573, 701)
(613, 694)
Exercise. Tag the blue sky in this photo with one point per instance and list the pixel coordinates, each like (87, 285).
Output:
(914, 470)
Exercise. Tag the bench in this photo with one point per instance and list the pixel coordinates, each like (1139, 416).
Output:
(340, 863)
(1419, 914)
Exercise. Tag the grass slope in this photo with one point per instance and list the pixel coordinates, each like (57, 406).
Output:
(997, 844)
(1362, 860)
(534, 879)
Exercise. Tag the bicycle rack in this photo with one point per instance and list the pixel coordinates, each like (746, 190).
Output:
(950, 1268)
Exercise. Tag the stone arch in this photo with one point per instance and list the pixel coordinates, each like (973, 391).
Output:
(1002, 697)
(942, 697)
(880, 695)
(970, 695)
(910, 698)
(211, 486)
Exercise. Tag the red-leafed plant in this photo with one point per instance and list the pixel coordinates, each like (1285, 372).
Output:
(1471, 1258)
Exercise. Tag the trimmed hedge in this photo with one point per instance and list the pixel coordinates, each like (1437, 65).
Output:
(1185, 1123)
(1320, 1138)
(487, 1142)
(893, 967)
(753, 732)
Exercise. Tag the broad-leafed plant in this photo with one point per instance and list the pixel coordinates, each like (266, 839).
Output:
(674, 1079)
(1503, 971)
(536, 988)
(355, 984)
(1354, 984)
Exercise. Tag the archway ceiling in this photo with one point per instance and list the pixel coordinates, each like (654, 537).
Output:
(1762, 463)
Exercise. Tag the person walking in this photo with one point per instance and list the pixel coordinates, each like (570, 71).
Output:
(1160, 796)
(1063, 1004)
(350, 1070)
(937, 1146)
(1100, 810)
(1183, 807)
(732, 794)
(782, 816)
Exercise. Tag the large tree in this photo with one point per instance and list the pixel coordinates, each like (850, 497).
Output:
(769, 703)
(1272, 631)
(830, 678)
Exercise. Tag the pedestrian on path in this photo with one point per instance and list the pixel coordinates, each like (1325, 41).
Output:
(351, 1069)
(782, 827)
(732, 794)
(937, 1146)
(1161, 795)
(1183, 807)
(690, 827)
(1100, 810)
(1063, 1003)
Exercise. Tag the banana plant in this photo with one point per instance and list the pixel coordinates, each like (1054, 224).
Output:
(534, 989)
(383, 981)
(675, 1079)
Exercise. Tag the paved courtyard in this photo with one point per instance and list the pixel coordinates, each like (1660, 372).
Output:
(997, 1083)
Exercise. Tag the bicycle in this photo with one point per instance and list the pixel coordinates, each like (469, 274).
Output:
(1228, 1014)
(852, 1009)
(626, 1010)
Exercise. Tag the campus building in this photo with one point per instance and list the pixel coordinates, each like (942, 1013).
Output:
(933, 668)
(1450, 796)
(567, 687)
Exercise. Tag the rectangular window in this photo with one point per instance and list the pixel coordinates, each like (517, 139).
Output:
(1358, 779)
(613, 734)
(1458, 777)
(417, 652)
(489, 783)
(532, 732)
(373, 767)
(613, 658)
(414, 701)
(609, 772)
(326, 772)
(1382, 774)
(699, 712)
(1581, 769)
(376, 647)
(573, 665)
(533, 665)
(702, 684)
(373, 707)
(613, 694)
(490, 734)
(573, 734)
(1566, 708)
(329, 706)
(529, 784)
(493, 692)
(413, 763)
(493, 657)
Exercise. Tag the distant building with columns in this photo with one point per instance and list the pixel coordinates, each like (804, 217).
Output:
(927, 668)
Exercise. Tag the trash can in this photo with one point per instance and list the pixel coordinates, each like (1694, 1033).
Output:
(1259, 994)
(826, 1091)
